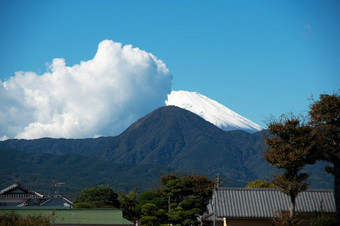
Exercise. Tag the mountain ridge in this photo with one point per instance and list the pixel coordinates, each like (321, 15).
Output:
(174, 138)
(169, 136)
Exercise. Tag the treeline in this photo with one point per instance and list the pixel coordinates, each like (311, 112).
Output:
(179, 200)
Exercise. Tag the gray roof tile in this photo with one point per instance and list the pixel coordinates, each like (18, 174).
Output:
(264, 202)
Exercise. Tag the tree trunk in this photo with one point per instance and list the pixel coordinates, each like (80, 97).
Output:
(337, 188)
(291, 210)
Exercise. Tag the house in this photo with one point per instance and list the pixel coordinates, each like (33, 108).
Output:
(17, 194)
(258, 206)
(75, 217)
(57, 200)
(19, 200)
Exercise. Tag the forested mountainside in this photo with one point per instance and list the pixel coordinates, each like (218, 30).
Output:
(38, 170)
(179, 140)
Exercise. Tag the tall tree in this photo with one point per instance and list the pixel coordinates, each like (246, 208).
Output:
(98, 196)
(188, 195)
(152, 215)
(325, 121)
(129, 204)
(288, 148)
(149, 203)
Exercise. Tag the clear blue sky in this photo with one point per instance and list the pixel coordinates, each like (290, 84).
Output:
(258, 58)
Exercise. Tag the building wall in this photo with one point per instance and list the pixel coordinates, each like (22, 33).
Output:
(239, 222)
(304, 220)
(252, 222)
(11, 202)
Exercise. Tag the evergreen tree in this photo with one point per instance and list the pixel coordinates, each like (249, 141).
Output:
(179, 200)
(151, 208)
(129, 205)
(152, 215)
(187, 196)
(98, 196)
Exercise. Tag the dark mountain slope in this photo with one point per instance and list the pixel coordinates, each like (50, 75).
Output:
(37, 170)
(59, 146)
(175, 138)
(179, 139)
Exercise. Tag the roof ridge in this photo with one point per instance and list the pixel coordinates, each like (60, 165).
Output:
(243, 189)
(270, 189)
(18, 185)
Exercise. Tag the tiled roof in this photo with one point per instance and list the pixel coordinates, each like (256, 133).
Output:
(57, 200)
(265, 203)
(20, 187)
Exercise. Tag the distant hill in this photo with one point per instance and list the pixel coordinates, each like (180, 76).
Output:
(177, 139)
(59, 146)
(38, 170)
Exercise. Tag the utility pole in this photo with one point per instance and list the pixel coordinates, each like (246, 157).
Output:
(218, 182)
(168, 204)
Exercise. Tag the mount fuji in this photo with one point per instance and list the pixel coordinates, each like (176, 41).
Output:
(211, 111)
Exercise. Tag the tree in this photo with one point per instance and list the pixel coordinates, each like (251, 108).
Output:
(98, 196)
(260, 184)
(129, 204)
(151, 197)
(148, 204)
(151, 214)
(177, 189)
(325, 121)
(188, 195)
(288, 148)
(185, 212)
(178, 186)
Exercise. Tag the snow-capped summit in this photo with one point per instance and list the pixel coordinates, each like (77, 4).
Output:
(211, 111)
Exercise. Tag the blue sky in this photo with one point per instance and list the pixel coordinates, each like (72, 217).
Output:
(258, 58)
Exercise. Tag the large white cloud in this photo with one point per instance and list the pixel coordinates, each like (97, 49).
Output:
(102, 96)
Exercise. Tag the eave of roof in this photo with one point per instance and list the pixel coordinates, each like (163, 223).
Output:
(19, 186)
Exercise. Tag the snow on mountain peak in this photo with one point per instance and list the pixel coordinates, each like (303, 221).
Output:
(212, 111)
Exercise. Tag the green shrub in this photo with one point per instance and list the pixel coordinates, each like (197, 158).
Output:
(322, 219)
(83, 205)
(12, 219)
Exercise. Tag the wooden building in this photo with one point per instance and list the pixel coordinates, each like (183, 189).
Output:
(18, 195)
(259, 206)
